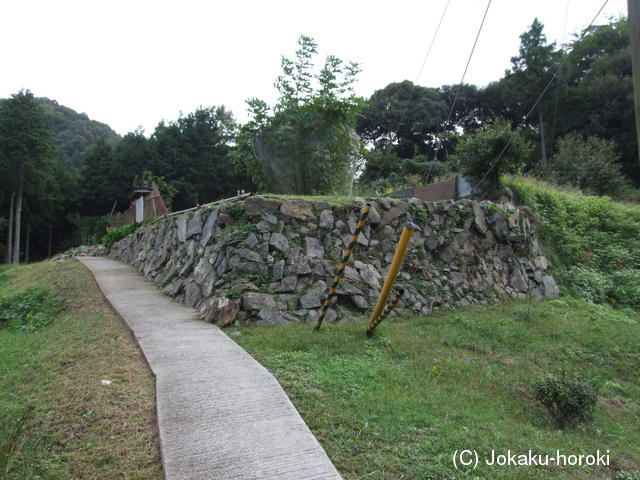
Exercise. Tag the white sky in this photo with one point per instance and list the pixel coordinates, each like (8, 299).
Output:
(130, 63)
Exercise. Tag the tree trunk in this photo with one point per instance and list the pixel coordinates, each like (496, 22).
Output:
(8, 256)
(543, 143)
(16, 229)
(50, 238)
(633, 10)
(26, 248)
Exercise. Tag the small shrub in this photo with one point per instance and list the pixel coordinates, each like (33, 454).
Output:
(257, 280)
(608, 314)
(626, 288)
(116, 234)
(29, 309)
(569, 402)
(587, 283)
(237, 212)
(419, 214)
(234, 294)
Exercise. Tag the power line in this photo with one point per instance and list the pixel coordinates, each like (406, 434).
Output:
(455, 98)
(555, 76)
(555, 111)
(395, 133)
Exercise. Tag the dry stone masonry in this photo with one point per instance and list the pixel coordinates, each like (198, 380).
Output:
(270, 260)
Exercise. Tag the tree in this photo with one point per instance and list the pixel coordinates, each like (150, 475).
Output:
(404, 124)
(469, 111)
(591, 165)
(148, 179)
(531, 73)
(404, 117)
(193, 154)
(492, 151)
(28, 155)
(205, 137)
(598, 100)
(307, 142)
(634, 36)
(97, 189)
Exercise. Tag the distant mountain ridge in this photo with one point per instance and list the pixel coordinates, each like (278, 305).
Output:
(74, 133)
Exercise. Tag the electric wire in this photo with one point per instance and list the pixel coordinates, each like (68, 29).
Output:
(556, 74)
(555, 111)
(406, 106)
(457, 214)
(455, 99)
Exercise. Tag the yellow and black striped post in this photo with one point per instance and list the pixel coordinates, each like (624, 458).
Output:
(396, 263)
(390, 306)
(345, 259)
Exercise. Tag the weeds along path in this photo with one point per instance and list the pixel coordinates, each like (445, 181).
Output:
(77, 426)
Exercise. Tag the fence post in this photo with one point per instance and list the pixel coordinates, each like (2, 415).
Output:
(343, 264)
(390, 306)
(396, 263)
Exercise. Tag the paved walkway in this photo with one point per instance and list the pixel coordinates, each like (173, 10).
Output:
(221, 415)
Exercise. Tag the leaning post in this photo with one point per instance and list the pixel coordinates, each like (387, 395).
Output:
(343, 264)
(390, 306)
(396, 263)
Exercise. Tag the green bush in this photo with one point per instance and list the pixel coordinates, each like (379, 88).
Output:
(116, 234)
(593, 242)
(591, 164)
(569, 402)
(626, 288)
(586, 283)
(496, 146)
(29, 309)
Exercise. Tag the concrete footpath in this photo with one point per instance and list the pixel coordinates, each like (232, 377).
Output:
(221, 415)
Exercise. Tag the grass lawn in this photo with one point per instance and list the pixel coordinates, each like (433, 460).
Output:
(78, 428)
(399, 405)
(396, 406)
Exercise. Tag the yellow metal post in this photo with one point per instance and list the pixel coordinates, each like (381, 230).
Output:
(343, 264)
(396, 263)
(390, 306)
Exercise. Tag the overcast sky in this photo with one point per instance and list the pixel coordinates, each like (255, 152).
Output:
(130, 63)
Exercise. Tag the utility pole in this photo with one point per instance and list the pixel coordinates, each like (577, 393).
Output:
(633, 7)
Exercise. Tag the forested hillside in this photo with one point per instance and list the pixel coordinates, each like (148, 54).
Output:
(74, 133)
(562, 113)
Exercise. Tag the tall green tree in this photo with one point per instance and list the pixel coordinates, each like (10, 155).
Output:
(28, 158)
(97, 189)
(598, 100)
(531, 72)
(194, 155)
(404, 119)
(307, 142)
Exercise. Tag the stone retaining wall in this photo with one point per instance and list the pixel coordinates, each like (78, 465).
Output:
(270, 260)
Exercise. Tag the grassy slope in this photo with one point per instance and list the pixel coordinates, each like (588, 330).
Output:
(399, 405)
(396, 406)
(79, 428)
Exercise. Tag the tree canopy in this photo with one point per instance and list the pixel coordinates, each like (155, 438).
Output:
(319, 136)
(592, 95)
(307, 142)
